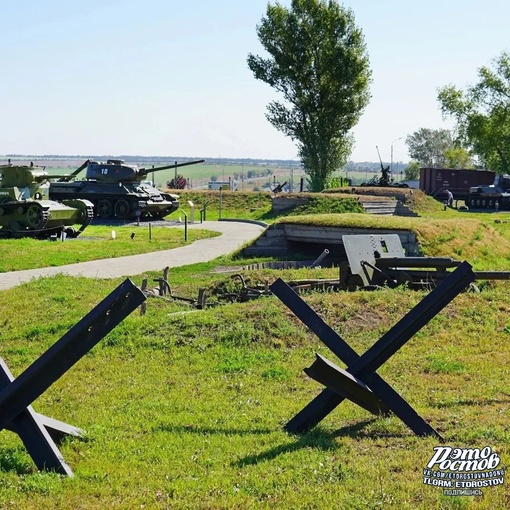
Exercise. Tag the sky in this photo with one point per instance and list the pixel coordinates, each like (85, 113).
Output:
(161, 77)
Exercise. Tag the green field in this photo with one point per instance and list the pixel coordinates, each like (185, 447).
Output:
(185, 408)
(247, 176)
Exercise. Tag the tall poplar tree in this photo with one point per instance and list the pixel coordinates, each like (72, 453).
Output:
(318, 61)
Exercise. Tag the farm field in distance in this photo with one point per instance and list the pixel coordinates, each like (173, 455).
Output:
(250, 175)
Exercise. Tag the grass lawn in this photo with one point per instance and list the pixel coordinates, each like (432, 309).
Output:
(96, 242)
(185, 408)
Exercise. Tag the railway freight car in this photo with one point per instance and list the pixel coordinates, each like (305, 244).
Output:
(435, 181)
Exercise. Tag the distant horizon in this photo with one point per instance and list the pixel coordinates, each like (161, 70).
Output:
(293, 161)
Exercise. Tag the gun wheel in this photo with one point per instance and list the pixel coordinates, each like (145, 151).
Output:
(104, 208)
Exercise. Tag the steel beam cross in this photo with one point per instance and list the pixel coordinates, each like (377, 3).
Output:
(17, 394)
(360, 382)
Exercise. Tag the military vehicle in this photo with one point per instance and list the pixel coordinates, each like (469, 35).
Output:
(385, 181)
(118, 190)
(495, 196)
(25, 211)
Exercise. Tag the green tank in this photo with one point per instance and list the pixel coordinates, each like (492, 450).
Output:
(26, 211)
(118, 190)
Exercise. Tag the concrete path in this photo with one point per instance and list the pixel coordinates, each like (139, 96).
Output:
(234, 235)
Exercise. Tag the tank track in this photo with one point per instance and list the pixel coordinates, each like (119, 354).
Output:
(89, 216)
(43, 233)
(7, 232)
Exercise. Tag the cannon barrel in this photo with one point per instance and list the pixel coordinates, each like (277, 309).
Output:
(492, 275)
(48, 177)
(279, 188)
(67, 178)
(430, 262)
(145, 171)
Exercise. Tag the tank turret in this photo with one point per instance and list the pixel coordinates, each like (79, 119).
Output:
(26, 211)
(115, 171)
(118, 190)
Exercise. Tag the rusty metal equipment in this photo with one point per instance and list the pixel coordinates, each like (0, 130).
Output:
(360, 382)
(17, 394)
(246, 293)
(164, 289)
(242, 293)
(379, 260)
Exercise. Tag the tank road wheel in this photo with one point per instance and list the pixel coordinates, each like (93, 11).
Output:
(36, 217)
(121, 209)
(104, 208)
(490, 204)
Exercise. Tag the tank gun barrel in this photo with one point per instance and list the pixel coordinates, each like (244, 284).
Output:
(145, 171)
(48, 177)
(67, 178)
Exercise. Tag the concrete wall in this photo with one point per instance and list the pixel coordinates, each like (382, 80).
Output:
(284, 239)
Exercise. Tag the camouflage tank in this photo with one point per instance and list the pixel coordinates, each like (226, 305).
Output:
(25, 211)
(118, 190)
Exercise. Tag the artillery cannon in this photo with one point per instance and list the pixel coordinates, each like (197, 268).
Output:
(385, 181)
(118, 190)
(378, 260)
(24, 211)
(279, 188)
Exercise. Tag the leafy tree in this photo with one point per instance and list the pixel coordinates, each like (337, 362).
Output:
(337, 182)
(458, 157)
(428, 146)
(482, 114)
(318, 61)
(412, 171)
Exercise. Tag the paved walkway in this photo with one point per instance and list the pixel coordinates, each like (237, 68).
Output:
(234, 235)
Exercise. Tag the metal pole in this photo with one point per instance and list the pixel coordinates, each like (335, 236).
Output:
(185, 225)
